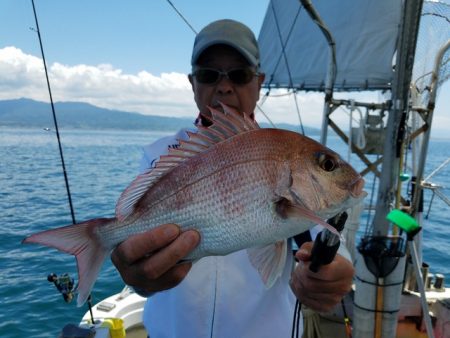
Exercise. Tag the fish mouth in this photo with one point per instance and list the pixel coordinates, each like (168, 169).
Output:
(356, 188)
(357, 194)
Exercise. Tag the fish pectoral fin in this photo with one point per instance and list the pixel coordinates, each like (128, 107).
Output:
(269, 261)
(284, 208)
(288, 209)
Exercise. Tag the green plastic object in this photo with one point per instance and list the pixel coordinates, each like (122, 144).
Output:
(404, 177)
(403, 220)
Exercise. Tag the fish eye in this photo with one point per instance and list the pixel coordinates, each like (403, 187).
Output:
(327, 162)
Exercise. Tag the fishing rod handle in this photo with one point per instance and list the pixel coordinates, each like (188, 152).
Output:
(327, 243)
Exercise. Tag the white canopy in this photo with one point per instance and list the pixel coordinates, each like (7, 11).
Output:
(365, 32)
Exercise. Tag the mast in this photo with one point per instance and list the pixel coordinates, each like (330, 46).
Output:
(398, 115)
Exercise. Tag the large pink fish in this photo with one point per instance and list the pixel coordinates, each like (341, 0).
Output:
(238, 185)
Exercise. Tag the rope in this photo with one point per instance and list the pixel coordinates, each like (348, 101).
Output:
(296, 320)
(377, 284)
(376, 311)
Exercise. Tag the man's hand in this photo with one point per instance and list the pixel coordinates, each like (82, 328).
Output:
(322, 290)
(148, 261)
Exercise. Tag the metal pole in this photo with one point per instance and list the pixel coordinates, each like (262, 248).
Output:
(429, 119)
(379, 308)
(423, 297)
(397, 116)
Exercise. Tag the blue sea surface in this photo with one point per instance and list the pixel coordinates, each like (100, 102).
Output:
(100, 165)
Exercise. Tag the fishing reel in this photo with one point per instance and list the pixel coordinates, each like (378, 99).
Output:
(64, 284)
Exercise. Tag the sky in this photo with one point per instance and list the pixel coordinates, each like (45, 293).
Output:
(132, 56)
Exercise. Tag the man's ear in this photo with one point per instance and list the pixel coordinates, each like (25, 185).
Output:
(261, 78)
(191, 80)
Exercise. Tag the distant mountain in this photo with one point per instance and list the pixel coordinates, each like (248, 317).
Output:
(29, 113)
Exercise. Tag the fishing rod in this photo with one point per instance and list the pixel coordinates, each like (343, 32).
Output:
(63, 283)
(72, 213)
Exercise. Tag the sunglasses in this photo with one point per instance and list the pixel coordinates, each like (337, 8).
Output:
(239, 76)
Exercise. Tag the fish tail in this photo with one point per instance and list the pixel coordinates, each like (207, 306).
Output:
(81, 241)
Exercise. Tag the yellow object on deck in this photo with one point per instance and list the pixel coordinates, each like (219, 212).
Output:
(115, 326)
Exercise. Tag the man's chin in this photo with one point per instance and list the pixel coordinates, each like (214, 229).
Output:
(220, 108)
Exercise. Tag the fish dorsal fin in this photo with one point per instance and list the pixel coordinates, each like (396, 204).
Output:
(225, 125)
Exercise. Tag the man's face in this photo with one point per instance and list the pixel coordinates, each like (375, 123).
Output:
(242, 97)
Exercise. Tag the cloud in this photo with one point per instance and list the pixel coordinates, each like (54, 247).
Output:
(19, 72)
(169, 94)
(102, 85)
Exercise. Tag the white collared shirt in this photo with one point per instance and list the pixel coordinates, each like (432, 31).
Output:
(222, 296)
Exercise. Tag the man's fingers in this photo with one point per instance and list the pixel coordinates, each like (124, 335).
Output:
(318, 301)
(150, 260)
(137, 246)
(168, 280)
(160, 262)
(304, 253)
(326, 281)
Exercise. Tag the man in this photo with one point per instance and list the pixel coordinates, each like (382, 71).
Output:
(220, 296)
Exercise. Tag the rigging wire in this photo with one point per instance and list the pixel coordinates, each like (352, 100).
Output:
(302, 129)
(72, 213)
(265, 115)
(181, 16)
(283, 51)
(435, 171)
(281, 42)
(369, 224)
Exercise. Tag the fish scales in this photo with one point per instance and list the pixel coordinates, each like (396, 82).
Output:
(217, 193)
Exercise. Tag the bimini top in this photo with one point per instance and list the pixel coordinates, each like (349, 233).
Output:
(365, 33)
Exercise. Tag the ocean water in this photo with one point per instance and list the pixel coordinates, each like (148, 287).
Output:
(100, 164)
